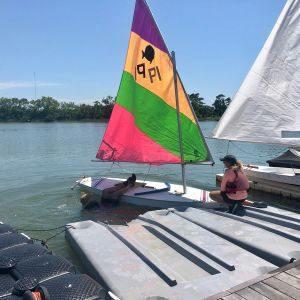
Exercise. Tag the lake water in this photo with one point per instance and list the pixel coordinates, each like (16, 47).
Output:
(39, 162)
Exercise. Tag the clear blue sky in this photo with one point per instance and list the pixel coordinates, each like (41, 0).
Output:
(77, 48)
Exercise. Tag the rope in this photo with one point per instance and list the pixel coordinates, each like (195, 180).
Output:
(44, 242)
(123, 169)
(247, 152)
(49, 229)
(244, 151)
(252, 154)
(147, 173)
(111, 166)
(55, 235)
(228, 144)
(129, 172)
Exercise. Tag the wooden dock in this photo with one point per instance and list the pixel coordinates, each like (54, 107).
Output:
(283, 283)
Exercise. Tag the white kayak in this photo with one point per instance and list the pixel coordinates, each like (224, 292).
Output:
(153, 194)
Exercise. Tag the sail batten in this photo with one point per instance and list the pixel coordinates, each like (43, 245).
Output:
(143, 126)
(268, 101)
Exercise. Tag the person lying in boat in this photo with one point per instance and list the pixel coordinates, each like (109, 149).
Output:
(234, 185)
(111, 195)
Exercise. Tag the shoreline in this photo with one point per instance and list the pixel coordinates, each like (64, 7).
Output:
(212, 119)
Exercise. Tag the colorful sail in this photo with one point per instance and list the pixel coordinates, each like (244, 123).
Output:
(143, 126)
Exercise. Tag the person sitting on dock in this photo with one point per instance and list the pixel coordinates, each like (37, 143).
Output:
(234, 185)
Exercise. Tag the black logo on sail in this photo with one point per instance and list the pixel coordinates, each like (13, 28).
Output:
(153, 73)
(148, 53)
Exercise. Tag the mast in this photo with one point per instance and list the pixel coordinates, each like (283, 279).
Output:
(178, 121)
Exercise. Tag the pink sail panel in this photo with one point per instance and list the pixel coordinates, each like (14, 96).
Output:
(128, 139)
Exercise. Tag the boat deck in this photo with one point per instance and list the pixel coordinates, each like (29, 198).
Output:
(283, 283)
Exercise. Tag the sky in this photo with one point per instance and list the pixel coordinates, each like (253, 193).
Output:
(77, 48)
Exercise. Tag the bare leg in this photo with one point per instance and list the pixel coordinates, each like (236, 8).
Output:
(120, 192)
(113, 189)
(119, 189)
(216, 196)
(116, 191)
(248, 202)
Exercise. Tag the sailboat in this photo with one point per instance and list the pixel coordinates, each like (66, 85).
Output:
(152, 121)
(266, 108)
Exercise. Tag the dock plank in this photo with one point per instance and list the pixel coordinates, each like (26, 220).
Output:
(283, 287)
(282, 283)
(294, 272)
(289, 279)
(269, 292)
(233, 297)
(250, 294)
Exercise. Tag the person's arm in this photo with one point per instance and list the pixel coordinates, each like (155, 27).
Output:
(224, 181)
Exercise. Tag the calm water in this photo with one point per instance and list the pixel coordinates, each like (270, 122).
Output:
(39, 162)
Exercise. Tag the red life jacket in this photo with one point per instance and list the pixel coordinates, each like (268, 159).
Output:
(240, 182)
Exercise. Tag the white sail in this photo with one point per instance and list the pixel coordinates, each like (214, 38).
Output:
(266, 108)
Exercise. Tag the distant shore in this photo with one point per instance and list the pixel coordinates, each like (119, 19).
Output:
(55, 121)
(48, 109)
(216, 119)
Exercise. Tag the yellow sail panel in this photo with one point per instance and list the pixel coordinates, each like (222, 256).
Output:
(152, 68)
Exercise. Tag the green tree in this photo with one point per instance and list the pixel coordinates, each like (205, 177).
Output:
(220, 104)
(197, 103)
(97, 109)
(107, 106)
(67, 111)
(46, 109)
(49, 109)
(202, 110)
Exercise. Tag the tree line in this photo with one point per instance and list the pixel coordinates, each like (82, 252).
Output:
(48, 109)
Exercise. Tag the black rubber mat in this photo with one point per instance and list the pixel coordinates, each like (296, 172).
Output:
(43, 267)
(6, 284)
(74, 287)
(23, 252)
(4, 229)
(11, 297)
(24, 265)
(12, 239)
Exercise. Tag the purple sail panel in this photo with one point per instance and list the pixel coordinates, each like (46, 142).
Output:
(144, 25)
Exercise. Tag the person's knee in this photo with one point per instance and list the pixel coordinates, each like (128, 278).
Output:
(214, 197)
(213, 194)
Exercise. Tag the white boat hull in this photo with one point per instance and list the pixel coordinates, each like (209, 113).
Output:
(153, 197)
(276, 174)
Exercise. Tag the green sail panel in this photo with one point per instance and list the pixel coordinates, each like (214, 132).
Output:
(158, 120)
